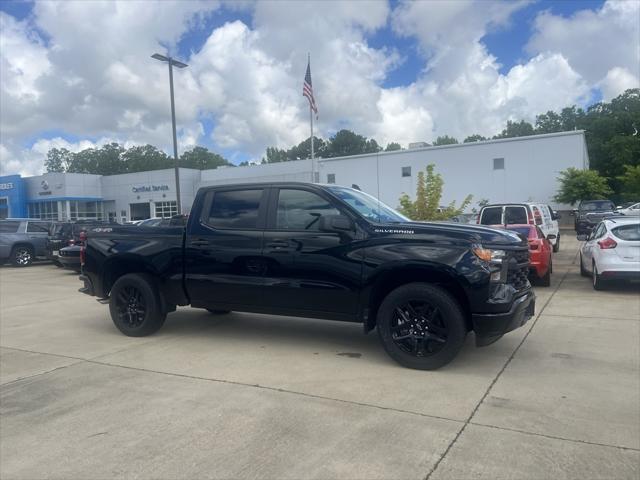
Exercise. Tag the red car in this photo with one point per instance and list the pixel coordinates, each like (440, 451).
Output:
(539, 251)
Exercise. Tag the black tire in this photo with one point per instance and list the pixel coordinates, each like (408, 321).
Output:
(136, 305)
(545, 280)
(583, 271)
(216, 311)
(437, 319)
(556, 247)
(21, 256)
(598, 282)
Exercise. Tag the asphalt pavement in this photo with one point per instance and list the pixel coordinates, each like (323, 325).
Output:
(254, 396)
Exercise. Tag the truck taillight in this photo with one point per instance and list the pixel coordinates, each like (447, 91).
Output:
(607, 243)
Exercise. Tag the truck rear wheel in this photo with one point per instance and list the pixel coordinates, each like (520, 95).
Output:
(136, 306)
(21, 256)
(421, 326)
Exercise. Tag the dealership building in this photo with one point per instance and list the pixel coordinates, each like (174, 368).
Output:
(504, 170)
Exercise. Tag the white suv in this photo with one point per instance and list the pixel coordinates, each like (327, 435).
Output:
(611, 251)
(521, 214)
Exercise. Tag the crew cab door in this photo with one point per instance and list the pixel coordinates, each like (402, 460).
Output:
(309, 269)
(223, 247)
(38, 233)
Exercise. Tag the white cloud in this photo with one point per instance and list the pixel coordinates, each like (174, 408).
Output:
(601, 45)
(83, 68)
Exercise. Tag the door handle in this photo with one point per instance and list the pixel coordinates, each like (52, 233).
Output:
(199, 243)
(278, 244)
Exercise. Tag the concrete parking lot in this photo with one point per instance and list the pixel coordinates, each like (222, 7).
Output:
(253, 396)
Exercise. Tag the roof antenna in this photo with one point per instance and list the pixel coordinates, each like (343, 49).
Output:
(355, 187)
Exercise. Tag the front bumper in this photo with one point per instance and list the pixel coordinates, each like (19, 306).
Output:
(490, 327)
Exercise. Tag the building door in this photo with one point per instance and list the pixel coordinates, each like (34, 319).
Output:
(140, 211)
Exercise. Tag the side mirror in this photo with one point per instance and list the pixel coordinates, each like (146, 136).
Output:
(335, 223)
(555, 215)
(582, 237)
(551, 237)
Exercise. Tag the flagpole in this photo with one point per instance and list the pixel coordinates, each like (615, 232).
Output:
(313, 162)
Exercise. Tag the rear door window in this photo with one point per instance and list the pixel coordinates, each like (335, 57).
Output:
(628, 232)
(235, 209)
(37, 227)
(491, 216)
(517, 215)
(9, 227)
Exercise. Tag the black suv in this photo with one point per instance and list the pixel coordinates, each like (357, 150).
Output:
(590, 213)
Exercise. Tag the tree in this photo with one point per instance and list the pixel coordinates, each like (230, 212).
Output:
(474, 138)
(99, 161)
(549, 122)
(576, 185)
(275, 155)
(345, 143)
(143, 158)
(428, 195)
(201, 158)
(392, 147)
(630, 183)
(516, 129)
(445, 140)
(303, 149)
(58, 160)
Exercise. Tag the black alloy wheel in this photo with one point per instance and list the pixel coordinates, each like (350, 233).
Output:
(417, 328)
(131, 307)
(136, 305)
(421, 326)
(21, 256)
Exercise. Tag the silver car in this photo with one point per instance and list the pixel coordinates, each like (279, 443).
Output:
(22, 240)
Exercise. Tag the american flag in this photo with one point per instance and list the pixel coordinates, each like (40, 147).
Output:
(307, 89)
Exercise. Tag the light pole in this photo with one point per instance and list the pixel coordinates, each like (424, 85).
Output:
(172, 62)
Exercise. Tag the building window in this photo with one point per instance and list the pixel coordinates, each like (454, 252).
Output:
(406, 171)
(123, 213)
(80, 210)
(498, 163)
(43, 210)
(331, 178)
(166, 209)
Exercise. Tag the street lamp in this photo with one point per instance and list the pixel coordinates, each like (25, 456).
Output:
(172, 62)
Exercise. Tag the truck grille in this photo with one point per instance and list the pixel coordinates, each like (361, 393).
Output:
(518, 273)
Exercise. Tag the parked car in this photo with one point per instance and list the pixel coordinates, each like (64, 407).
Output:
(22, 240)
(540, 248)
(320, 251)
(537, 214)
(611, 251)
(69, 257)
(590, 213)
(633, 209)
(64, 234)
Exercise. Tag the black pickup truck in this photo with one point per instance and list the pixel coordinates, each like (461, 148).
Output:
(320, 251)
(590, 213)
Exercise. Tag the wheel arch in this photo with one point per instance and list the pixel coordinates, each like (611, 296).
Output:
(392, 278)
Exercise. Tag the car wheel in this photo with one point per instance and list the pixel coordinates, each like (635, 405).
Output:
(216, 311)
(421, 326)
(136, 306)
(556, 247)
(545, 280)
(583, 271)
(21, 256)
(598, 282)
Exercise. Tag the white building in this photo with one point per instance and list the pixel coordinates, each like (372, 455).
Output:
(506, 170)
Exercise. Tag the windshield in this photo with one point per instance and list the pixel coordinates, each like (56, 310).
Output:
(597, 205)
(369, 207)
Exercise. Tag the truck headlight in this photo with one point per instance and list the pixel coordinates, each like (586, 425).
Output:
(489, 255)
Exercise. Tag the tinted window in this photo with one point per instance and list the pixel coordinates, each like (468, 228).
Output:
(597, 205)
(599, 231)
(515, 215)
(301, 210)
(491, 216)
(628, 232)
(9, 227)
(235, 209)
(34, 227)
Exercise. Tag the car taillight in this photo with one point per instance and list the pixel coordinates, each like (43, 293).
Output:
(530, 218)
(607, 243)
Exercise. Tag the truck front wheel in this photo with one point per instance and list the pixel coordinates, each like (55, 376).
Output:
(421, 326)
(135, 305)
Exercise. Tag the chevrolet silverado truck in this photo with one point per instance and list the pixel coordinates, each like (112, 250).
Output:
(317, 251)
(590, 213)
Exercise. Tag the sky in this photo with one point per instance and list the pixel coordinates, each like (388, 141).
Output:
(79, 74)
